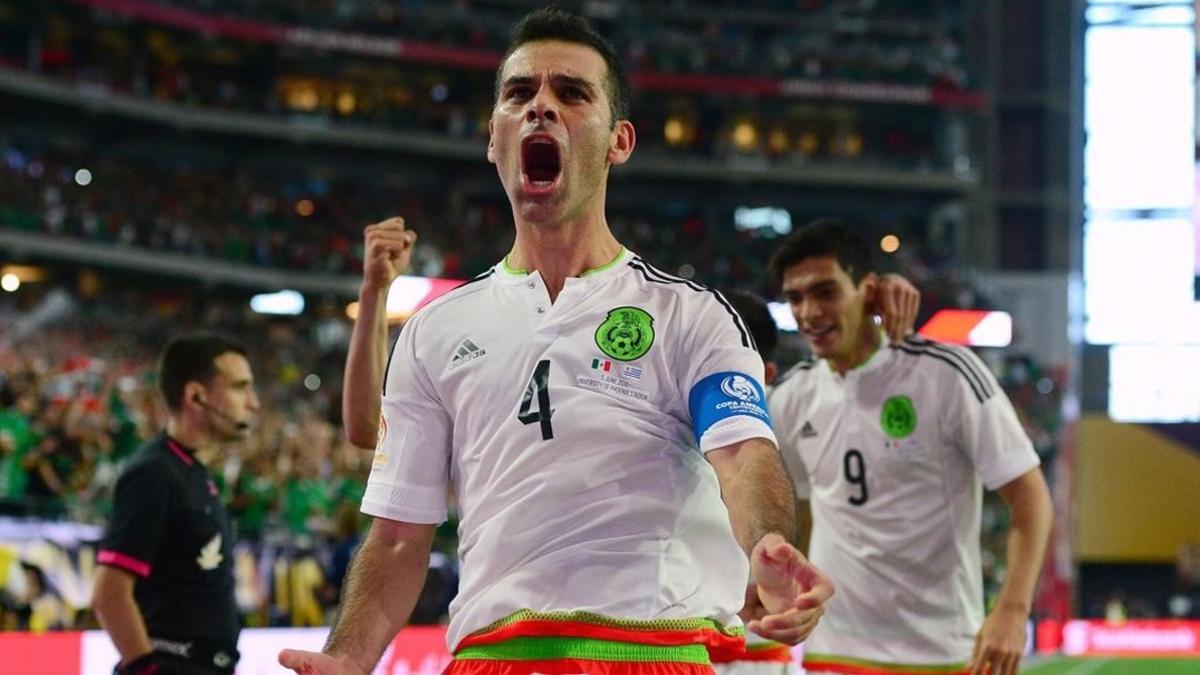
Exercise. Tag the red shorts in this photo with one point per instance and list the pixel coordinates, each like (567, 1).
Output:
(578, 643)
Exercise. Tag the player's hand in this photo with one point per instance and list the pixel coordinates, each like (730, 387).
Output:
(1000, 643)
(387, 251)
(317, 663)
(897, 302)
(791, 591)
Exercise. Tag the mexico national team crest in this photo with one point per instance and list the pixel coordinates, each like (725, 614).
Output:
(899, 417)
(626, 333)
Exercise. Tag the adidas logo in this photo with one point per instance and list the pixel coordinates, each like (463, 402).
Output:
(807, 431)
(467, 351)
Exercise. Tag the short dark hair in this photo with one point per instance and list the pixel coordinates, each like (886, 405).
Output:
(819, 239)
(552, 23)
(191, 358)
(754, 312)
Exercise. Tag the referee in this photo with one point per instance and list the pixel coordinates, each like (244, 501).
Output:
(165, 590)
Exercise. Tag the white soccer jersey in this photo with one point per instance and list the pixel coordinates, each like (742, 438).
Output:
(569, 433)
(892, 457)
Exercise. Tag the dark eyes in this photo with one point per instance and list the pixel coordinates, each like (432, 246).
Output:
(567, 94)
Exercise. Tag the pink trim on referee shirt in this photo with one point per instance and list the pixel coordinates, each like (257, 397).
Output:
(179, 452)
(123, 561)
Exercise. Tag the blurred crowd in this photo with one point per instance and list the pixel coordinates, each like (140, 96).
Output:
(297, 221)
(898, 41)
(101, 52)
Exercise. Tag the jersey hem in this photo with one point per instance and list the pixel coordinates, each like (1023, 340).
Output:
(1012, 474)
(851, 666)
(735, 430)
(380, 509)
(710, 635)
(549, 648)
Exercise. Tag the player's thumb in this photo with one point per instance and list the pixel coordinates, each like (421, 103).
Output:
(295, 660)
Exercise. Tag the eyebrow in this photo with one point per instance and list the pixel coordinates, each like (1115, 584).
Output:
(556, 80)
(820, 285)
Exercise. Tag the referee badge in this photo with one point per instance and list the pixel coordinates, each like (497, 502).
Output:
(626, 334)
(899, 417)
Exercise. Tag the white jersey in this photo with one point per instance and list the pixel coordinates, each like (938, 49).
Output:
(568, 432)
(892, 457)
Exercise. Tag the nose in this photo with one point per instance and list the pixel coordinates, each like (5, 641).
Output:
(805, 311)
(252, 402)
(541, 107)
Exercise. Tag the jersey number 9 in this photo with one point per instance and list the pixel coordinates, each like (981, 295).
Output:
(856, 474)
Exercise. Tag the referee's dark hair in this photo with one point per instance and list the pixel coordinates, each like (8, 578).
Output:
(191, 358)
(753, 310)
(822, 238)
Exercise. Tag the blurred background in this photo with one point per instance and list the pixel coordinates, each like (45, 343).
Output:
(169, 165)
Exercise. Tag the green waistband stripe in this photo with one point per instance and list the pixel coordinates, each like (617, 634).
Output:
(880, 665)
(601, 620)
(762, 646)
(550, 648)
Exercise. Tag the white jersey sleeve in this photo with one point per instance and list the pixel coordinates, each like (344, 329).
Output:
(986, 426)
(410, 474)
(721, 376)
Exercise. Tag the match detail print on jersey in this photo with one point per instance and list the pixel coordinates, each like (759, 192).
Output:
(723, 395)
(626, 333)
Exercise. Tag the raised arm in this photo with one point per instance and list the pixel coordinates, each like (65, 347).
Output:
(386, 254)
(382, 587)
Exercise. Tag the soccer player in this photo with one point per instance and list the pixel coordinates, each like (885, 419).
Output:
(164, 590)
(896, 295)
(590, 412)
(892, 446)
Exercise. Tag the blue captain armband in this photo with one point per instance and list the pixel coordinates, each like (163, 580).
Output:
(723, 395)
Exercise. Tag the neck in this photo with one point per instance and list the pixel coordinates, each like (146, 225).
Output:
(864, 347)
(562, 251)
(192, 435)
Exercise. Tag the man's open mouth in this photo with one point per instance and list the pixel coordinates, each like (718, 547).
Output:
(540, 161)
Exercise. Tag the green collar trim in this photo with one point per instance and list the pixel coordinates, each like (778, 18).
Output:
(608, 265)
(509, 270)
(505, 268)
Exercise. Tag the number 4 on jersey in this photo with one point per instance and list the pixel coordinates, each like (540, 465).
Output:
(539, 388)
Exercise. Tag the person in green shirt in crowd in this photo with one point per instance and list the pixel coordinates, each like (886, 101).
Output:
(306, 496)
(255, 497)
(17, 438)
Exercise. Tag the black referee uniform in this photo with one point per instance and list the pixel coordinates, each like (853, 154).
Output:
(170, 529)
